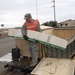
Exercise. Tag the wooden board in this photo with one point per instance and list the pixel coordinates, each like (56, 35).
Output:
(47, 29)
(64, 33)
(51, 66)
(44, 38)
(23, 46)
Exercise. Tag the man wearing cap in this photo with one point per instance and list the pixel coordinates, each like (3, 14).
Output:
(31, 24)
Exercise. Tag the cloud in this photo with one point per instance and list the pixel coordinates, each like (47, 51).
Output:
(12, 11)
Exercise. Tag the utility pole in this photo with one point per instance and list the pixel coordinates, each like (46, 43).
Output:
(54, 10)
(37, 9)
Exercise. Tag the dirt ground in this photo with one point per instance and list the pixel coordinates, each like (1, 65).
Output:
(3, 35)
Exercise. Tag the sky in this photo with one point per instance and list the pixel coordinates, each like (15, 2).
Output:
(12, 11)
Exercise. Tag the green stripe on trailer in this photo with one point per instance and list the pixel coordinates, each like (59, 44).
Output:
(11, 36)
(45, 43)
(52, 45)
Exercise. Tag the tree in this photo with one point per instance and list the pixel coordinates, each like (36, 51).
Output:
(53, 23)
(2, 25)
(46, 24)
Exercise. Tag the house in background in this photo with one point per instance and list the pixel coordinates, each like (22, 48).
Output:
(68, 23)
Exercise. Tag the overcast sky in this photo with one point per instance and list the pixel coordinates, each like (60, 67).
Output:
(12, 11)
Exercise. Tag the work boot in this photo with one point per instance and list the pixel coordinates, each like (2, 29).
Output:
(33, 64)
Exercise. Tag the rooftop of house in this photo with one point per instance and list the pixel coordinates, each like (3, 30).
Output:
(69, 22)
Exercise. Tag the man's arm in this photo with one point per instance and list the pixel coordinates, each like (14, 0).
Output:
(38, 27)
(23, 30)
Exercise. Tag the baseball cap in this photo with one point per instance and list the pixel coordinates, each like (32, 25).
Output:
(27, 15)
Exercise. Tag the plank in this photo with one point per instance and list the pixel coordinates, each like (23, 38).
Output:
(46, 67)
(65, 67)
(51, 66)
(47, 39)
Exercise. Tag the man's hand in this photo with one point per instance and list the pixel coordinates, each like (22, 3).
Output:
(25, 37)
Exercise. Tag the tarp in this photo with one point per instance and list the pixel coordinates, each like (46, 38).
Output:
(6, 58)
